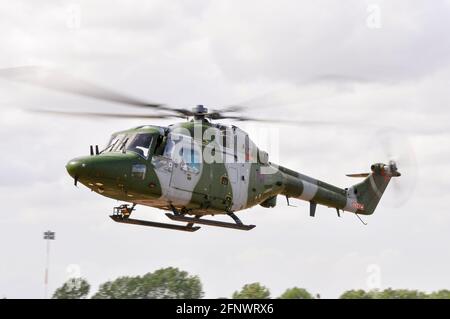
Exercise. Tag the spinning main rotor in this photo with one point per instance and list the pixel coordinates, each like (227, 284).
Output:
(63, 82)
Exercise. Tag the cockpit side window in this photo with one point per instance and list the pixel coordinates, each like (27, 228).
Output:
(170, 146)
(190, 158)
(141, 144)
(183, 151)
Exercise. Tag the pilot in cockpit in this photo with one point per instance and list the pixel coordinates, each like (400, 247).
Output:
(141, 144)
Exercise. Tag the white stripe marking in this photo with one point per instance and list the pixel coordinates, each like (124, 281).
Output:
(309, 191)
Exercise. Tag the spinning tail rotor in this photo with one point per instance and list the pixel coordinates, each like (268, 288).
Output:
(395, 147)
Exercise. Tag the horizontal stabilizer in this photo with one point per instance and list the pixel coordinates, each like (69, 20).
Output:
(358, 175)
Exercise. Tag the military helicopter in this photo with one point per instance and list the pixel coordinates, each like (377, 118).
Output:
(197, 167)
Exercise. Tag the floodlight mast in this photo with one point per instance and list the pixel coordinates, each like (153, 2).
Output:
(48, 235)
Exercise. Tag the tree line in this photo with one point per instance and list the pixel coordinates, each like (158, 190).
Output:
(172, 283)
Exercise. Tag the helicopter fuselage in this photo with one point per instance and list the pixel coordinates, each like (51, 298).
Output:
(196, 167)
(201, 168)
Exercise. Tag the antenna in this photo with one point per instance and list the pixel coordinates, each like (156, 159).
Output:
(364, 223)
(48, 235)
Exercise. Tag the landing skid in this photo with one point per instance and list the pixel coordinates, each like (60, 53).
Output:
(120, 219)
(121, 214)
(193, 220)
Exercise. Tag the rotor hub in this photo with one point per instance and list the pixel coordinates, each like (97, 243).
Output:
(393, 168)
(199, 112)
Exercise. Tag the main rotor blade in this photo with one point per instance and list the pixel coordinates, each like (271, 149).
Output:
(107, 115)
(281, 98)
(59, 81)
(229, 109)
(275, 121)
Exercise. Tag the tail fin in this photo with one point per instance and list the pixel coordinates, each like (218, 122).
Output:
(368, 193)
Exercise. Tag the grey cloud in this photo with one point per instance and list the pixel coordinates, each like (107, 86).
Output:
(275, 39)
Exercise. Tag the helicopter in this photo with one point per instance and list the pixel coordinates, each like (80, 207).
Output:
(194, 168)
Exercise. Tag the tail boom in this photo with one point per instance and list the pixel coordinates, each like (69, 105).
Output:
(361, 198)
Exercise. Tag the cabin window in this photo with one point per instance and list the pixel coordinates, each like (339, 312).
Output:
(141, 144)
(185, 154)
(190, 159)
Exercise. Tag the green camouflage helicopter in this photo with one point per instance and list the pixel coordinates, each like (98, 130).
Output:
(197, 167)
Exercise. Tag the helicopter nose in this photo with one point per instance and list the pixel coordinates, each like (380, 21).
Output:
(75, 167)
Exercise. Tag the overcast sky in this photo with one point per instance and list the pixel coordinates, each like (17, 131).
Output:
(370, 63)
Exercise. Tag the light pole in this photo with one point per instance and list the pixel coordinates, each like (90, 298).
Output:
(48, 235)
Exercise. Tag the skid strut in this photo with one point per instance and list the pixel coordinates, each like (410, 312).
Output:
(123, 211)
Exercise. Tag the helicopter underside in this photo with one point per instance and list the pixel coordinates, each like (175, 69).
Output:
(191, 214)
(121, 214)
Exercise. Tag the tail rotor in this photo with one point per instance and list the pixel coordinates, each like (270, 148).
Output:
(396, 147)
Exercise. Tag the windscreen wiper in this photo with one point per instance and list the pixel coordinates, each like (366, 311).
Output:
(122, 147)
(110, 147)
